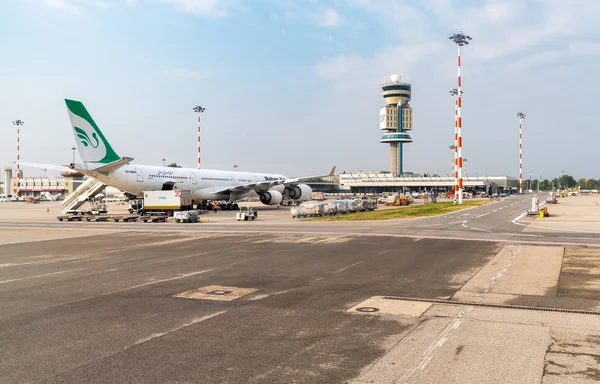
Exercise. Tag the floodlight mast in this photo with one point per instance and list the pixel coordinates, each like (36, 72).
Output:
(454, 93)
(521, 116)
(198, 109)
(18, 123)
(460, 39)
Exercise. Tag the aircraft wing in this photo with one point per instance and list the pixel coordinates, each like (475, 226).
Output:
(263, 185)
(50, 166)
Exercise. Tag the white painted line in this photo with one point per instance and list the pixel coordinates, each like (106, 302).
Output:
(45, 261)
(36, 276)
(163, 280)
(185, 325)
(455, 222)
(265, 295)
(485, 214)
(350, 266)
(479, 229)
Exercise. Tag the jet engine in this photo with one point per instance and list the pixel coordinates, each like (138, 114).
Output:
(271, 197)
(301, 192)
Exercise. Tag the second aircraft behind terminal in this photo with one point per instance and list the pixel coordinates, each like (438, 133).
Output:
(101, 162)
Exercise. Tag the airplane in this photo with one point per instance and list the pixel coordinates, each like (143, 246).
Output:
(101, 162)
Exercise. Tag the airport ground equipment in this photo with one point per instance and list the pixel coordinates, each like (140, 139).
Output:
(246, 213)
(398, 200)
(97, 218)
(70, 217)
(333, 207)
(166, 202)
(155, 218)
(535, 206)
(186, 216)
(88, 189)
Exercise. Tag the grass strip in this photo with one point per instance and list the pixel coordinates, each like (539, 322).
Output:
(431, 209)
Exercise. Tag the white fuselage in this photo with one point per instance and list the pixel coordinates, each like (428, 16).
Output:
(203, 183)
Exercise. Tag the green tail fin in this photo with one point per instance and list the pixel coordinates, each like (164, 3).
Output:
(93, 146)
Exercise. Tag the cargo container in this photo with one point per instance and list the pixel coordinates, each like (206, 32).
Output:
(163, 201)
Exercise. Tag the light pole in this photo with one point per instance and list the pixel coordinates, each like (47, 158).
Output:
(73, 149)
(198, 109)
(235, 167)
(164, 162)
(530, 182)
(460, 39)
(18, 123)
(453, 149)
(454, 93)
(521, 116)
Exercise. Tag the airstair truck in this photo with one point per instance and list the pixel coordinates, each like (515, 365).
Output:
(165, 201)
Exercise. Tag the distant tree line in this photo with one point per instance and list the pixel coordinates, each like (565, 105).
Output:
(565, 181)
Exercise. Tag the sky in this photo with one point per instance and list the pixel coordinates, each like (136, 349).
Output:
(293, 86)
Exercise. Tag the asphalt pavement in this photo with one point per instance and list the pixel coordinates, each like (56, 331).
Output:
(469, 297)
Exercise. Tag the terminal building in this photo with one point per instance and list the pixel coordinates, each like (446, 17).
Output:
(23, 187)
(367, 182)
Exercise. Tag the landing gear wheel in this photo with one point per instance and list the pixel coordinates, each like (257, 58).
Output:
(236, 207)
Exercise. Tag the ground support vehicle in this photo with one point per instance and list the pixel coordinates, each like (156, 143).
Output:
(186, 216)
(246, 214)
(398, 200)
(166, 202)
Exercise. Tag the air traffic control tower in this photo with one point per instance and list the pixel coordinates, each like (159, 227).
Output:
(396, 119)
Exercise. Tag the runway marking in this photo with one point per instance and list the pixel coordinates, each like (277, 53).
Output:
(265, 295)
(169, 279)
(430, 352)
(480, 229)
(498, 276)
(184, 325)
(47, 261)
(418, 239)
(357, 234)
(485, 214)
(455, 222)
(446, 333)
(36, 276)
(350, 266)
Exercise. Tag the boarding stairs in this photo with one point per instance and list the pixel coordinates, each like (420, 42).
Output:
(90, 188)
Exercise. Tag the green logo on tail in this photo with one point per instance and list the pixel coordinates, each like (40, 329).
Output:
(85, 139)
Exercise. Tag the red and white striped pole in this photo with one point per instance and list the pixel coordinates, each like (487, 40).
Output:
(460, 39)
(18, 123)
(454, 92)
(198, 109)
(521, 116)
